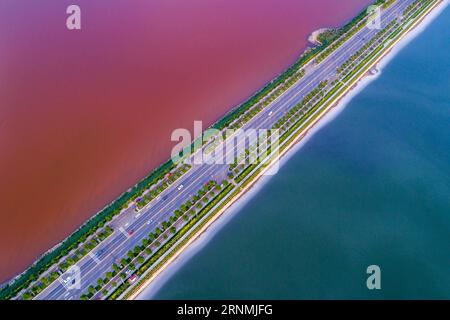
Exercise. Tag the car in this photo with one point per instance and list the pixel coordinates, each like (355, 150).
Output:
(67, 280)
(180, 187)
(130, 233)
(164, 197)
(149, 221)
(132, 278)
(270, 113)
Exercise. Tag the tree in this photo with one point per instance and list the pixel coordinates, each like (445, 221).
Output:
(34, 290)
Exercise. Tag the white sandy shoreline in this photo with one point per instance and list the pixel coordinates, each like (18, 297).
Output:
(154, 285)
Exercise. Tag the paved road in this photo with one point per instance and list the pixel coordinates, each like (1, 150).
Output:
(119, 243)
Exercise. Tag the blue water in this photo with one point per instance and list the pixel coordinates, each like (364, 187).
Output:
(372, 187)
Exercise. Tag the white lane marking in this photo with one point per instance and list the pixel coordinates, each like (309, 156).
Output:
(121, 229)
(94, 257)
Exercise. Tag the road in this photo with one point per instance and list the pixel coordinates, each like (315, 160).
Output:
(115, 247)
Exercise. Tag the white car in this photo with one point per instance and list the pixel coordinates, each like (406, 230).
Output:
(270, 113)
(67, 280)
(180, 187)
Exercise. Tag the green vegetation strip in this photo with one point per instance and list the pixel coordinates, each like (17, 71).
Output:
(245, 172)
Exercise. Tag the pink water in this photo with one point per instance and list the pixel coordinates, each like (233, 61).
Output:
(85, 114)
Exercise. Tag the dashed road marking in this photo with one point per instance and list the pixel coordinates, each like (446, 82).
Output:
(94, 257)
(121, 229)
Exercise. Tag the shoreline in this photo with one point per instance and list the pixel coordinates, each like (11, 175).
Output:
(151, 287)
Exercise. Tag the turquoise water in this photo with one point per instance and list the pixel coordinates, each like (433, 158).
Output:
(372, 187)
